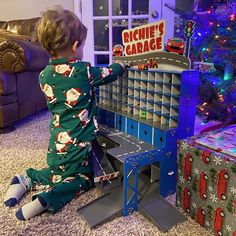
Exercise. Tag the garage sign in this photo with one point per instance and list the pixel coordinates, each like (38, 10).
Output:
(144, 39)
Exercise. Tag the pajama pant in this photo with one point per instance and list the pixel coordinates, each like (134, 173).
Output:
(58, 192)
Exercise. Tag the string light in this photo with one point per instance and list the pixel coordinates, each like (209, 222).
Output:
(227, 76)
(221, 97)
(218, 34)
(232, 17)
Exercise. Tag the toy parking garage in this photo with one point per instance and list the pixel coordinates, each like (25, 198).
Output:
(141, 116)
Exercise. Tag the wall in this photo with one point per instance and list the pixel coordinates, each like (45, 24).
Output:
(23, 9)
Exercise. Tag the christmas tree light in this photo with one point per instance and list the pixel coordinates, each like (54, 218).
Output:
(214, 41)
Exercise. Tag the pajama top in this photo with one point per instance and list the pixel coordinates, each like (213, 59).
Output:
(69, 87)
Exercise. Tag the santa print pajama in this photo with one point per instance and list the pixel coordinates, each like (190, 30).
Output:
(58, 186)
(69, 87)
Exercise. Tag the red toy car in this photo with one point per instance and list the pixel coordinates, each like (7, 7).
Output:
(200, 216)
(150, 64)
(118, 50)
(218, 219)
(175, 45)
(142, 67)
(186, 200)
(222, 177)
(203, 185)
(206, 156)
(188, 166)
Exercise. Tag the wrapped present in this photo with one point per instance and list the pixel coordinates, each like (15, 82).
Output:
(206, 186)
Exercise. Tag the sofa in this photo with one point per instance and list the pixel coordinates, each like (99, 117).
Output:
(21, 60)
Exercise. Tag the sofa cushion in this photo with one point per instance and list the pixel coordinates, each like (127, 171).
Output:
(6, 34)
(8, 114)
(9, 99)
(3, 24)
(7, 83)
(30, 96)
(25, 27)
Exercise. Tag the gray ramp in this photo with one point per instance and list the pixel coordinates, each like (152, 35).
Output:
(110, 205)
(160, 212)
(105, 209)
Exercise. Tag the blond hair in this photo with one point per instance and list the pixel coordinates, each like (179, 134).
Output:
(58, 29)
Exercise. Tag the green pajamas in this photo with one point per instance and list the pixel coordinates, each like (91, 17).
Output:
(69, 87)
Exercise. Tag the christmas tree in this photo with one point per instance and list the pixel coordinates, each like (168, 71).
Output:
(213, 53)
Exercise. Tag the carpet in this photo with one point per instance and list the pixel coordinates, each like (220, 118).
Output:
(26, 147)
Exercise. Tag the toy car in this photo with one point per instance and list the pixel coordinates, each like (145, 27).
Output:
(188, 166)
(222, 177)
(118, 50)
(204, 67)
(200, 216)
(203, 185)
(186, 200)
(206, 156)
(175, 45)
(218, 219)
(150, 64)
(142, 67)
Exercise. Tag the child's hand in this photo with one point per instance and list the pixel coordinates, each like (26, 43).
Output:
(120, 62)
